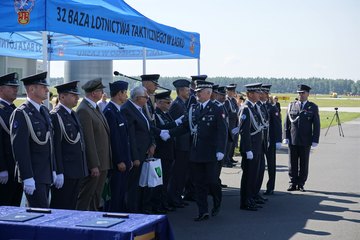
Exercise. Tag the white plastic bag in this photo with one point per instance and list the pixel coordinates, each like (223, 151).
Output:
(155, 177)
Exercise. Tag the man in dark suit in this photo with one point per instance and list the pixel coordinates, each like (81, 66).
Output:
(301, 132)
(10, 188)
(142, 145)
(120, 145)
(208, 128)
(275, 132)
(150, 83)
(31, 136)
(251, 146)
(179, 108)
(97, 146)
(69, 147)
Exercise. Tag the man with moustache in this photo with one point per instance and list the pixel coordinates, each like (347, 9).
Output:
(10, 189)
(69, 148)
(31, 136)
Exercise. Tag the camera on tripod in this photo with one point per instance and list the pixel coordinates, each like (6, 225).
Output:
(337, 119)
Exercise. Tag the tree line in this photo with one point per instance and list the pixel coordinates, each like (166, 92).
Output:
(279, 85)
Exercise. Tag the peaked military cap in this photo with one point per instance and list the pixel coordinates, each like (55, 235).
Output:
(163, 95)
(201, 84)
(215, 87)
(231, 86)
(266, 88)
(150, 77)
(69, 87)
(39, 78)
(253, 87)
(222, 90)
(117, 86)
(93, 85)
(11, 79)
(303, 88)
(181, 83)
(198, 77)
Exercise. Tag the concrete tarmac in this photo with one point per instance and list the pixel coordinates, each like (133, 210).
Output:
(329, 209)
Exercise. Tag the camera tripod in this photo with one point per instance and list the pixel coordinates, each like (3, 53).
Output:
(336, 116)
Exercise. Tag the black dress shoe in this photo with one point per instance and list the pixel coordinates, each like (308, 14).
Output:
(215, 211)
(147, 211)
(269, 192)
(292, 188)
(248, 207)
(169, 209)
(261, 198)
(224, 186)
(202, 217)
(301, 188)
(259, 201)
(159, 211)
(177, 205)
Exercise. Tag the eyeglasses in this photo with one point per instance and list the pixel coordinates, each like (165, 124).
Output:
(166, 102)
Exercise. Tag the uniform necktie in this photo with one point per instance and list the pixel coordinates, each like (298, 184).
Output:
(302, 105)
(201, 108)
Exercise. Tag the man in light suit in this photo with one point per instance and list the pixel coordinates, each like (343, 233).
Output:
(142, 145)
(69, 148)
(120, 146)
(97, 142)
(10, 189)
(31, 137)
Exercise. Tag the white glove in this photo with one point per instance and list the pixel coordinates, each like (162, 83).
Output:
(59, 181)
(29, 186)
(178, 121)
(219, 156)
(285, 141)
(235, 130)
(54, 176)
(314, 144)
(164, 134)
(4, 177)
(249, 155)
(278, 145)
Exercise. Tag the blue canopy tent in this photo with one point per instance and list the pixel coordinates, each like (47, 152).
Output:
(88, 30)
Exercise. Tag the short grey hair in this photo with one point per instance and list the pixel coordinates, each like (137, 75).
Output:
(137, 91)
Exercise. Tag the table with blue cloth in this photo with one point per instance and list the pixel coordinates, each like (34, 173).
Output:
(63, 224)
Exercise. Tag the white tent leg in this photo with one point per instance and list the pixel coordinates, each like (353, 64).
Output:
(198, 66)
(144, 60)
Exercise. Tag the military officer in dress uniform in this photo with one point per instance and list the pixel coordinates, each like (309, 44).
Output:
(31, 136)
(275, 132)
(178, 109)
(10, 188)
(150, 82)
(301, 132)
(69, 148)
(97, 146)
(251, 146)
(120, 145)
(208, 129)
(233, 111)
(165, 150)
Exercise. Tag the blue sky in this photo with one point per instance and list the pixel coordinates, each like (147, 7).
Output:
(259, 38)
